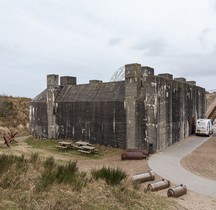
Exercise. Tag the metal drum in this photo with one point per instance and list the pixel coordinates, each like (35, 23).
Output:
(132, 156)
(144, 177)
(177, 191)
(159, 185)
(144, 152)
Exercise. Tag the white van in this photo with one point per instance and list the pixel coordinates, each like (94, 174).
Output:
(204, 127)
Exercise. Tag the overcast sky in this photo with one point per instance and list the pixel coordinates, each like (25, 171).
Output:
(91, 39)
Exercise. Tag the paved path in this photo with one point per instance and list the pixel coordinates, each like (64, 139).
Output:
(167, 164)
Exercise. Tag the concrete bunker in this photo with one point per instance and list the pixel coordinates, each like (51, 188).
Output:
(145, 111)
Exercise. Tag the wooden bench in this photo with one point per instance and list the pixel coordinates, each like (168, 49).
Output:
(61, 147)
(84, 151)
(76, 147)
(83, 143)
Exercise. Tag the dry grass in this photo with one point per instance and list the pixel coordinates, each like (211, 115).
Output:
(14, 114)
(210, 97)
(18, 190)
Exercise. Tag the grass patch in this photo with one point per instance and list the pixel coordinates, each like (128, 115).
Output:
(67, 174)
(34, 158)
(50, 144)
(7, 161)
(41, 143)
(111, 176)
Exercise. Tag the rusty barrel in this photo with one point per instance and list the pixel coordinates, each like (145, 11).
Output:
(144, 177)
(177, 191)
(159, 185)
(144, 152)
(132, 156)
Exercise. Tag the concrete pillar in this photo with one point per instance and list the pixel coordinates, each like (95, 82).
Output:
(95, 81)
(52, 91)
(191, 82)
(166, 75)
(67, 81)
(146, 71)
(52, 81)
(180, 79)
(151, 108)
(132, 87)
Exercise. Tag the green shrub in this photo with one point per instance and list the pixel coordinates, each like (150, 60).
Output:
(34, 158)
(61, 174)
(111, 176)
(49, 174)
(49, 163)
(67, 173)
(6, 107)
(21, 163)
(47, 179)
(6, 161)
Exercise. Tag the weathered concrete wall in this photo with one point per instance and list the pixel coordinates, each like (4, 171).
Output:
(171, 110)
(38, 116)
(94, 113)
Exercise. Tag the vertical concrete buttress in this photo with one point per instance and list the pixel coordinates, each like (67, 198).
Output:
(132, 87)
(52, 91)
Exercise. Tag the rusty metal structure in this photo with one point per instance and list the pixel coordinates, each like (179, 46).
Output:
(143, 111)
(143, 177)
(132, 156)
(177, 191)
(9, 138)
(159, 185)
(144, 152)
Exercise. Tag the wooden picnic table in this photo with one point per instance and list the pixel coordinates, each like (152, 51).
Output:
(87, 149)
(83, 143)
(64, 145)
(80, 146)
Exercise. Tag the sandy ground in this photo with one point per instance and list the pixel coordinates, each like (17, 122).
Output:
(202, 161)
(195, 162)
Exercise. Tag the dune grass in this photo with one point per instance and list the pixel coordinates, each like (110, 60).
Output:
(36, 183)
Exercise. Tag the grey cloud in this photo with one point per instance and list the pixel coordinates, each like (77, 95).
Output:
(214, 6)
(115, 41)
(151, 47)
(203, 38)
(197, 64)
(70, 38)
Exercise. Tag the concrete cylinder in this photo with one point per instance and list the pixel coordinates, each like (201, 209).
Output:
(144, 152)
(159, 185)
(132, 156)
(177, 191)
(144, 177)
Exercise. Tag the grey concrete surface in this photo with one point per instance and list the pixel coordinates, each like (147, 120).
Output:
(167, 164)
